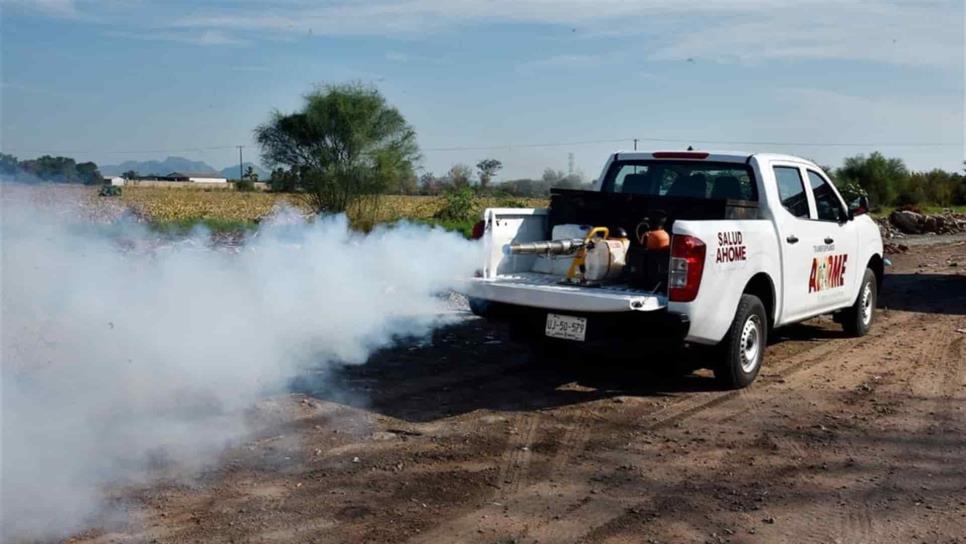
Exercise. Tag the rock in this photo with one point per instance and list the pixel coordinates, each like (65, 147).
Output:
(907, 221)
(893, 248)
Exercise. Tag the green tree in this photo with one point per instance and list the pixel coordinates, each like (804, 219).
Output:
(883, 178)
(130, 174)
(345, 143)
(429, 184)
(88, 174)
(283, 181)
(488, 169)
(247, 181)
(559, 179)
(459, 176)
(936, 186)
(8, 164)
(60, 169)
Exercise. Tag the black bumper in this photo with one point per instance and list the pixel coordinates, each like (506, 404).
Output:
(625, 327)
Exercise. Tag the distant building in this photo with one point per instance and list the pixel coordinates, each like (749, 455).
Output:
(196, 177)
(117, 181)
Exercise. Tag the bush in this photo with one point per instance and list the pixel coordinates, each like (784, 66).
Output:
(245, 185)
(851, 190)
(459, 204)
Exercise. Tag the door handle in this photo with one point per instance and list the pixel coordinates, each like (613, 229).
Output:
(792, 239)
(829, 240)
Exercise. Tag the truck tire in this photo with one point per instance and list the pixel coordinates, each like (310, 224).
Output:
(479, 306)
(857, 319)
(743, 349)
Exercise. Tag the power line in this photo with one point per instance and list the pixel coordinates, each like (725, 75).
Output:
(810, 144)
(523, 146)
(111, 151)
(700, 141)
(634, 142)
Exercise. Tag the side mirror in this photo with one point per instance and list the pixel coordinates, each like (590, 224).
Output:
(859, 206)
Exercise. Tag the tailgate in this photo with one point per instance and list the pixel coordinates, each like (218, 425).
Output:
(545, 291)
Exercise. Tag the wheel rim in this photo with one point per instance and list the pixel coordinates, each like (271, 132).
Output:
(866, 305)
(750, 343)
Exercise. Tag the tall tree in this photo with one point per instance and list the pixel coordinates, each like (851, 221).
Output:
(60, 169)
(488, 169)
(8, 164)
(883, 178)
(459, 175)
(89, 174)
(345, 143)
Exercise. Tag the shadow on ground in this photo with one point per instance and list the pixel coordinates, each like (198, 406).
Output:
(926, 293)
(474, 365)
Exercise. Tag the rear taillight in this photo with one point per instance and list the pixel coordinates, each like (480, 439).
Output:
(478, 229)
(686, 267)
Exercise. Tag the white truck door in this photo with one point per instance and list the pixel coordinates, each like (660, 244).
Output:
(832, 274)
(796, 238)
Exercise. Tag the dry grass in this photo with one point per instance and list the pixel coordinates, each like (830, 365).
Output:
(185, 205)
(166, 205)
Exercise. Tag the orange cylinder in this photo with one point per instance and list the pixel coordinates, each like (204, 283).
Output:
(658, 239)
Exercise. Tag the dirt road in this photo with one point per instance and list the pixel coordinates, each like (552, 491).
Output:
(468, 439)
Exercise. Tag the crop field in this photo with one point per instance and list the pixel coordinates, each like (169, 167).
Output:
(228, 209)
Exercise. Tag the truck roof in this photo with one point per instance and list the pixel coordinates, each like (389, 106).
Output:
(711, 155)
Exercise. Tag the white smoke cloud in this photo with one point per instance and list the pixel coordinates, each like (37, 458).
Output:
(116, 354)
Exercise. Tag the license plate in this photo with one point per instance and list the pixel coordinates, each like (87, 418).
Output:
(567, 327)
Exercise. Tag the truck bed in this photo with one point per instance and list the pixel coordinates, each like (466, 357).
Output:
(545, 291)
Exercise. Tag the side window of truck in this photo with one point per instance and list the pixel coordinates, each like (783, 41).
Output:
(827, 204)
(791, 190)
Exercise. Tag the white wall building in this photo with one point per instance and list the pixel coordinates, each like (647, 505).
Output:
(198, 177)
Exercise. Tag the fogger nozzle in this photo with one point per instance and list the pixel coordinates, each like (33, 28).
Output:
(550, 247)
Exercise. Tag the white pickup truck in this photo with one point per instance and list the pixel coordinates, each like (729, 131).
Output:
(757, 241)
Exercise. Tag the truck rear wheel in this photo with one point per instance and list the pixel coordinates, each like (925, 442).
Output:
(857, 319)
(743, 349)
(479, 307)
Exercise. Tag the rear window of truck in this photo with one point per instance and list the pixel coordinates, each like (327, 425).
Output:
(688, 179)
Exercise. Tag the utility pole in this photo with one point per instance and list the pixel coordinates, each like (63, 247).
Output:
(570, 163)
(635, 144)
(241, 175)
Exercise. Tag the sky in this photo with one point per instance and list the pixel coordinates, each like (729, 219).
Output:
(528, 82)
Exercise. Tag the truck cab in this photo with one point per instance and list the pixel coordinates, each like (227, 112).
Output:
(757, 241)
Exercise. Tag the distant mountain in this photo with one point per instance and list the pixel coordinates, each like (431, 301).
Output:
(178, 164)
(159, 168)
(231, 172)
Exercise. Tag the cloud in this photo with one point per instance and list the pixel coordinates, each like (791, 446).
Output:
(204, 37)
(724, 30)
(53, 8)
(926, 33)
(914, 33)
(407, 58)
(566, 62)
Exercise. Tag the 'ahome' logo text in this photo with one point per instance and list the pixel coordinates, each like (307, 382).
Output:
(828, 271)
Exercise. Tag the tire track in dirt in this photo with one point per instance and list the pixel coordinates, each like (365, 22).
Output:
(855, 519)
(518, 454)
(785, 371)
(573, 513)
(599, 512)
(858, 523)
(921, 372)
